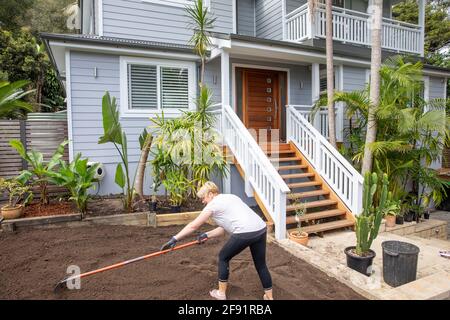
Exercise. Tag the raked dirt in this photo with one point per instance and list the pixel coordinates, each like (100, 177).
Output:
(33, 261)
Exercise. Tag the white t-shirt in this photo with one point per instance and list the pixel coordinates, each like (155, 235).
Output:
(232, 214)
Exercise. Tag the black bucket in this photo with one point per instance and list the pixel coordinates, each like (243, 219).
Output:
(361, 264)
(399, 262)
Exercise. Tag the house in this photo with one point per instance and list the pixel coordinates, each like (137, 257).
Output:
(266, 67)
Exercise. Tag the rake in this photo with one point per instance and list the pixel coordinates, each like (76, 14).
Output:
(63, 283)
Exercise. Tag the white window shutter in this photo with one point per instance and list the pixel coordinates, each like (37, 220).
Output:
(142, 86)
(174, 88)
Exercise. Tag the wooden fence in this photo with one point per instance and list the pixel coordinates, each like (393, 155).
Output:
(40, 132)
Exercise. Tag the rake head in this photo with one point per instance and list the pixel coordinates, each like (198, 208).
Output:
(61, 286)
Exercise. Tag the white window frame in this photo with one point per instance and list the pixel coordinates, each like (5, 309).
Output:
(125, 110)
(176, 3)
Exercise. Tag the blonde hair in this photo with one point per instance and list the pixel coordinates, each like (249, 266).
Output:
(207, 188)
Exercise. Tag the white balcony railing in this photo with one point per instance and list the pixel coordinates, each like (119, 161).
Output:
(350, 26)
(339, 174)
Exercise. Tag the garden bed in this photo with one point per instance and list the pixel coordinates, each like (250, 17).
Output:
(30, 271)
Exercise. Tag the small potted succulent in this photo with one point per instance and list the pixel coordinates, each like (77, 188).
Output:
(18, 196)
(299, 236)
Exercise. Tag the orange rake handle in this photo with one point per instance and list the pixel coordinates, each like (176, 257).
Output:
(124, 263)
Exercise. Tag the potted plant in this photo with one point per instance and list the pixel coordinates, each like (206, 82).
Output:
(391, 211)
(360, 257)
(298, 235)
(18, 196)
(400, 218)
(176, 185)
(426, 214)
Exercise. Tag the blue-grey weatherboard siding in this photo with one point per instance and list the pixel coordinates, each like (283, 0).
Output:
(246, 17)
(269, 19)
(141, 20)
(437, 88)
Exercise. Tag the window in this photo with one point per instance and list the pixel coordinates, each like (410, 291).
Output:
(90, 22)
(149, 86)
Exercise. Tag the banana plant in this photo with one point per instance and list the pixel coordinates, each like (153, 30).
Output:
(114, 134)
(11, 95)
(369, 221)
(78, 177)
(40, 171)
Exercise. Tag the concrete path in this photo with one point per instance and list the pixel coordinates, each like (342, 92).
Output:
(442, 215)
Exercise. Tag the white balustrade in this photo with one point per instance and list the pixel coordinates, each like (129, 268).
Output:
(338, 173)
(353, 27)
(259, 171)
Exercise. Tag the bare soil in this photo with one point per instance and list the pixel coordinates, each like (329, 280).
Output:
(52, 209)
(33, 261)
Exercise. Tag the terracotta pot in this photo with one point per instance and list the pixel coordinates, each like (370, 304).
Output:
(390, 221)
(12, 213)
(301, 238)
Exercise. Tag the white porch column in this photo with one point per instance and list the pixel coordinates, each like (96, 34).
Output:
(315, 91)
(340, 106)
(283, 18)
(311, 24)
(225, 76)
(422, 25)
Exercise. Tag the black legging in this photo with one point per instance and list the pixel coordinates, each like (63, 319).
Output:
(238, 242)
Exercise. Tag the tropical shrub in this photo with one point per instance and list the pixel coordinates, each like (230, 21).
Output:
(189, 145)
(176, 185)
(40, 171)
(411, 132)
(78, 178)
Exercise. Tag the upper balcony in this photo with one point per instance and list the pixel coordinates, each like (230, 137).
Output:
(350, 26)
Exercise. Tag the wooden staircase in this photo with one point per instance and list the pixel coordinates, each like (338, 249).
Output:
(324, 210)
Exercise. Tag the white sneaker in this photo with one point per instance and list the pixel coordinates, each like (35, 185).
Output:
(216, 294)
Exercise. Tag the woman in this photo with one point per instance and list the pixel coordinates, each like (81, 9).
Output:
(247, 229)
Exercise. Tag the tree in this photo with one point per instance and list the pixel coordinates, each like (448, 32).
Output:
(14, 13)
(437, 22)
(377, 16)
(330, 73)
(201, 22)
(22, 57)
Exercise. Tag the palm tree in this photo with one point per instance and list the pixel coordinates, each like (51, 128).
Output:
(11, 95)
(411, 132)
(330, 73)
(201, 23)
(377, 16)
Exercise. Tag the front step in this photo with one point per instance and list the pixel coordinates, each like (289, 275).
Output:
(285, 159)
(293, 167)
(312, 204)
(307, 194)
(278, 151)
(316, 215)
(304, 184)
(297, 175)
(321, 227)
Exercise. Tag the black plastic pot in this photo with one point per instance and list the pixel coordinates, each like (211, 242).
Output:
(399, 219)
(409, 217)
(426, 215)
(399, 262)
(175, 209)
(153, 206)
(361, 264)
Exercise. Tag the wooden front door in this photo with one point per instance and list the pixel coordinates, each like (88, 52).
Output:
(261, 99)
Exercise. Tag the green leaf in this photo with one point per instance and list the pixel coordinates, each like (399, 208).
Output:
(111, 125)
(16, 144)
(120, 176)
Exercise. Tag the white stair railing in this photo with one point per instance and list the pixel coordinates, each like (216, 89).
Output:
(337, 172)
(259, 171)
